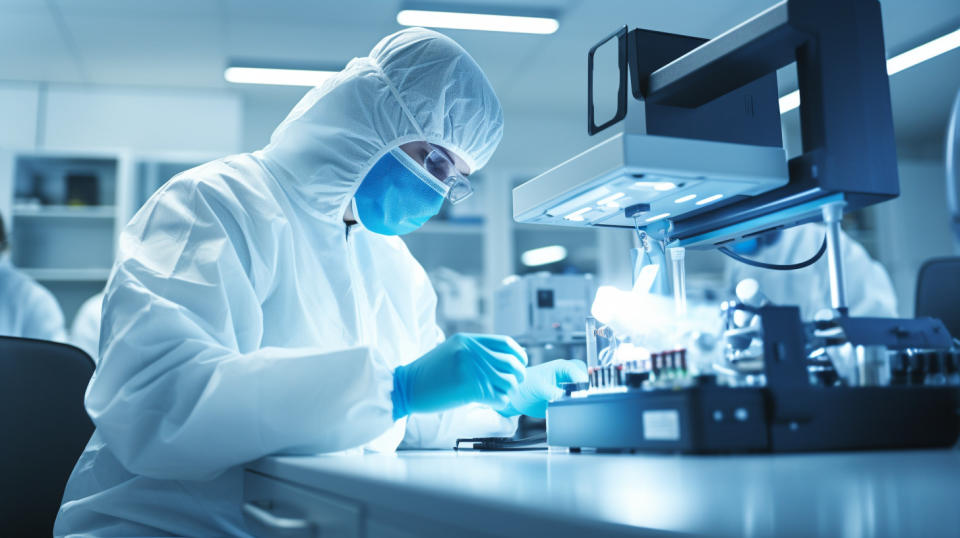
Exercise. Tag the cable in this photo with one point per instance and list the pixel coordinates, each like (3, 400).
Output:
(776, 267)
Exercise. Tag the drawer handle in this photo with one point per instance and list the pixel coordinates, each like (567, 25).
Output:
(290, 525)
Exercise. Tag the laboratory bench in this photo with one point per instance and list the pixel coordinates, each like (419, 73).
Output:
(556, 493)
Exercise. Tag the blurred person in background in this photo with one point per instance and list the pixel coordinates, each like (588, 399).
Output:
(27, 309)
(869, 288)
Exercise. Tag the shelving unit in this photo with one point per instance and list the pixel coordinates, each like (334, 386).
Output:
(64, 219)
(68, 208)
(65, 212)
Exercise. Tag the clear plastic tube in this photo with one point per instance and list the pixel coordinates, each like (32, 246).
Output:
(677, 255)
(591, 330)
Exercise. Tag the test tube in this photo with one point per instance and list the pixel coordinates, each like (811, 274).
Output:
(677, 255)
(591, 331)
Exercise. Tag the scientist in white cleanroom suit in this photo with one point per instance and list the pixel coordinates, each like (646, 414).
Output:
(262, 304)
(27, 309)
(869, 289)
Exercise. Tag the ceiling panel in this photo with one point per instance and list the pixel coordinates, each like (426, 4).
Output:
(188, 42)
(145, 9)
(297, 43)
(158, 50)
(33, 47)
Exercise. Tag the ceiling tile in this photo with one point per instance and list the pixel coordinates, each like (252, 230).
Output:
(157, 50)
(33, 48)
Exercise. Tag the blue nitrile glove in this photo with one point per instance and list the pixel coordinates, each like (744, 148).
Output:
(465, 368)
(542, 385)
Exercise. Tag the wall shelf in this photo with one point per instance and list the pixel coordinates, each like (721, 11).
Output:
(58, 274)
(65, 212)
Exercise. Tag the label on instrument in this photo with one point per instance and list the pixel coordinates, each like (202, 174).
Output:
(661, 425)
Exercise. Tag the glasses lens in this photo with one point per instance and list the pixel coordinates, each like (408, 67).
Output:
(439, 165)
(442, 168)
(460, 189)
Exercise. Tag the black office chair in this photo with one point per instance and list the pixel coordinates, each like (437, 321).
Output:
(938, 292)
(45, 428)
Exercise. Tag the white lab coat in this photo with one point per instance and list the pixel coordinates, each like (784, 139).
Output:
(85, 331)
(243, 319)
(27, 309)
(869, 289)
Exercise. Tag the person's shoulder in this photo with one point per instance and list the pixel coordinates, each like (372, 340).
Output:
(19, 284)
(233, 181)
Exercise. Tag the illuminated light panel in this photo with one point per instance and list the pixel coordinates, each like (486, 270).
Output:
(684, 199)
(610, 201)
(709, 199)
(658, 217)
(906, 60)
(577, 216)
(278, 77)
(543, 255)
(478, 21)
(655, 185)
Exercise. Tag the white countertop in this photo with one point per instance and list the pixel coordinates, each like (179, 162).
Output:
(912, 493)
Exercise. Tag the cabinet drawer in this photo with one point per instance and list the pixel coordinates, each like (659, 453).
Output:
(274, 509)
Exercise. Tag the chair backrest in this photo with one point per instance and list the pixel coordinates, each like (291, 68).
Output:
(45, 428)
(938, 292)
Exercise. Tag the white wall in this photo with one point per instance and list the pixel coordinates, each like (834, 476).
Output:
(914, 227)
(84, 117)
(18, 115)
(65, 116)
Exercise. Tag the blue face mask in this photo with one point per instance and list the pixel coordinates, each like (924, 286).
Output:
(397, 196)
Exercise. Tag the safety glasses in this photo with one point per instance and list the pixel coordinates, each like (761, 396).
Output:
(443, 169)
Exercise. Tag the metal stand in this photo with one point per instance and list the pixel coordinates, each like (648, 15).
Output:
(832, 215)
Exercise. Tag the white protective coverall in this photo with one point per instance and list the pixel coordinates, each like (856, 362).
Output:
(869, 289)
(243, 318)
(85, 331)
(27, 309)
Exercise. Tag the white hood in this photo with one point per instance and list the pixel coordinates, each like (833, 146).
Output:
(416, 84)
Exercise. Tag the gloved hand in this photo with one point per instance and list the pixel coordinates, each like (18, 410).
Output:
(542, 385)
(465, 368)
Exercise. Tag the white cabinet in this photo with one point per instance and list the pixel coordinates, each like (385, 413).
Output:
(63, 219)
(274, 509)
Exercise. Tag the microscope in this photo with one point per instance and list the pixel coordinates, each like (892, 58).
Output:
(697, 162)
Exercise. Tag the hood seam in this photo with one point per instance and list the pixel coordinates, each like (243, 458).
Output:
(396, 95)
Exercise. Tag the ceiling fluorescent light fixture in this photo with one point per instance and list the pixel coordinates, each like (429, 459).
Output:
(489, 22)
(543, 255)
(906, 60)
(275, 76)
(924, 52)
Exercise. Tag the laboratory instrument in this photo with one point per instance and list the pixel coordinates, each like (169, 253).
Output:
(699, 163)
(544, 313)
